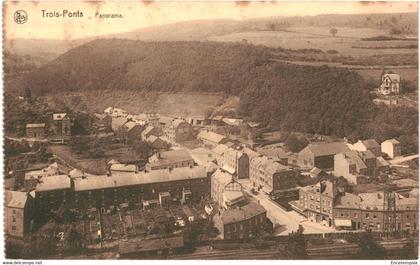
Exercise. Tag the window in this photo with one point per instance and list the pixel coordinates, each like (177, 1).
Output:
(355, 215)
(14, 211)
(13, 227)
(13, 219)
(367, 216)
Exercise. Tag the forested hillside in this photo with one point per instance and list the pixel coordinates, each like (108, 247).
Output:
(283, 96)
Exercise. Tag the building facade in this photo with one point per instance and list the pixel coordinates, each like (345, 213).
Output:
(269, 175)
(243, 222)
(391, 147)
(35, 130)
(377, 211)
(390, 84)
(18, 213)
(211, 139)
(178, 131)
(316, 202)
(320, 155)
(102, 192)
(61, 124)
(367, 145)
(233, 161)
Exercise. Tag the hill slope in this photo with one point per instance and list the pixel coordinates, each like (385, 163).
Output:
(268, 90)
(282, 96)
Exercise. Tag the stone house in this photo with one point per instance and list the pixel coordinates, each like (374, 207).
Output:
(18, 213)
(35, 130)
(390, 84)
(178, 131)
(149, 131)
(211, 139)
(170, 159)
(320, 155)
(316, 202)
(365, 145)
(242, 222)
(391, 147)
(269, 175)
(61, 124)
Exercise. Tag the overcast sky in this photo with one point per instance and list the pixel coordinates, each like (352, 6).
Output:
(143, 14)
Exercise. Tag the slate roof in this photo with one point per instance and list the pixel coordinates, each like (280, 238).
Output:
(393, 141)
(233, 196)
(117, 122)
(315, 171)
(15, 199)
(366, 154)
(222, 177)
(372, 200)
(251, 153)
(151, 139)
(328, 188)
(76, 173)
(381, 162)
(211, 136)
(220, 149)
(349, 201)
(130, 125)
(57, 182)
(147, 130)
(154, 176)
(59, 116)
(177, 122)
(169, 157)
(274, 152)
(326, 149)
(403, 183)
(353, 158)
(393, 77)
(242, 213)
(35, 125)
(269, 164)
(232, 121)
(371, 143)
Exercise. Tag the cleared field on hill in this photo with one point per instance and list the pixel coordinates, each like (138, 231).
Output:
(139, 101)
(345, 42)
(410, 74)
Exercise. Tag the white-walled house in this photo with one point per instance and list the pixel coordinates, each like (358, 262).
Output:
(391, 147)
(391, 83)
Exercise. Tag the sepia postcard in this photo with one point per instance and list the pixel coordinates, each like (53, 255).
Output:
(210, 130)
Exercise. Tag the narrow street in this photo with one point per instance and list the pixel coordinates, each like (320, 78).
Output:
(287, 221)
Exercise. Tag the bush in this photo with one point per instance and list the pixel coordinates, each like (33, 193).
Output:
(332, 51)
(296, 143)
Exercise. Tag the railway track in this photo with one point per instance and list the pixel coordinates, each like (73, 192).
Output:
(344, 251)
(231, 254)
